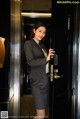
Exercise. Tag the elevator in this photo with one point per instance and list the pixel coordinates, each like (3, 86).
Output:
(64, 36)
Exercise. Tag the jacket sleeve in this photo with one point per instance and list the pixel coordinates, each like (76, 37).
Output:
(30, 57)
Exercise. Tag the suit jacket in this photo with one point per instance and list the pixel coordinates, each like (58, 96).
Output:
(37, 62)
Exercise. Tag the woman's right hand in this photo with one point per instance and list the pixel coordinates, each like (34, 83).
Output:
(50, 54)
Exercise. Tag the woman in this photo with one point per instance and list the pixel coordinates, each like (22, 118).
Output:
(38, 60)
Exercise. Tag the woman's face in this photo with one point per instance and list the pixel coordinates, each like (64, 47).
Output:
(39, 33)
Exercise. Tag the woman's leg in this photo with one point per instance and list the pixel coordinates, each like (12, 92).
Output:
(40, 114)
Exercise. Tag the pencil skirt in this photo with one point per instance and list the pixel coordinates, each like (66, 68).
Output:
(40, 92)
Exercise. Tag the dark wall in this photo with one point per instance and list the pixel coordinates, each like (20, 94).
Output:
(4, 18)
(5, 32)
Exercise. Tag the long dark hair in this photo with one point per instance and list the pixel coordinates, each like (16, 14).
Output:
(36, 26)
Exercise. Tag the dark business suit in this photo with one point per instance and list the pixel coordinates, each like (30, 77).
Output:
(39, 80)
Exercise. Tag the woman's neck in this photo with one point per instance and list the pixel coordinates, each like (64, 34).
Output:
(36, 41)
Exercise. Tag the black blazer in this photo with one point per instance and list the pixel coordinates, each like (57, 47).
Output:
(36, 60)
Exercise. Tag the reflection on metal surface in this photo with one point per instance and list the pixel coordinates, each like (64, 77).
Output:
(15, 56)
(2, 51)
(79, 70)
(76, 67)
(51, 72)
(36, 15)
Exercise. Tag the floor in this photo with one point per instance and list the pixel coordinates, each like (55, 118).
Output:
(27, 107)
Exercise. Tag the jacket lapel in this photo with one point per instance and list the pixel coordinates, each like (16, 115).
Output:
(37, 46)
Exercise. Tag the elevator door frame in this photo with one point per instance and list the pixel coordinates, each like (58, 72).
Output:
(76, 66)
(78, 77)
(15, 58)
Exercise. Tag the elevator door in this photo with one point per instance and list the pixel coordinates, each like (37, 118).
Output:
(62, 39)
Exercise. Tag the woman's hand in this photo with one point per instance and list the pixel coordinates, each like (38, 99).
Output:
(50, 54)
